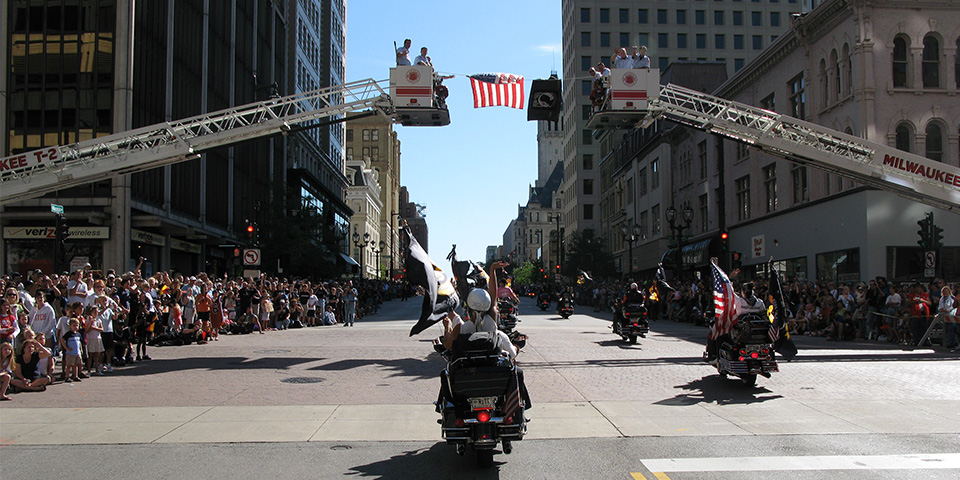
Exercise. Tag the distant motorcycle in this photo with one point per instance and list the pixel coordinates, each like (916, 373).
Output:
(747, 351)
(479, 402)
(630, 321)
(509, 316)
(543, 302)
(565, 308)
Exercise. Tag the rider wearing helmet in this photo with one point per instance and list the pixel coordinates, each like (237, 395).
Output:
(747, 302)
(633, 295)
(481, 313)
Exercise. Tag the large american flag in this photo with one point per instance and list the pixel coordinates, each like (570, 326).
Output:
(497, 89)
(724, 303)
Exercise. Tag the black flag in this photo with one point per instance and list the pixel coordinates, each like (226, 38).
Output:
(440, 296)
(780, 338)
(545, 102)
(468, 274)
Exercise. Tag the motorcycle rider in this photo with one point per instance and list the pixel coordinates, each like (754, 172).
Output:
(565, 297)
(747, 303)
(633, 296)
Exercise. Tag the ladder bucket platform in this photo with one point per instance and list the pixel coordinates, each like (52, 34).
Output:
(627, 98)
(414, 90)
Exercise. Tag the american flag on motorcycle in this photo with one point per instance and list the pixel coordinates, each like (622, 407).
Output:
(724, 303)
(497, 89)
(511, 403)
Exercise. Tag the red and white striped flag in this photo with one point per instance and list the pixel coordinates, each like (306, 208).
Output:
(511, 403)
(724, 303)
(497, 89)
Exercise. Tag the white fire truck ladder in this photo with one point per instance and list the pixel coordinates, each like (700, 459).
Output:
(918, 178)
(42, 171)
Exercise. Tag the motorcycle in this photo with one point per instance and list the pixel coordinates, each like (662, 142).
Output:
(508, 323)
(543, 302)
(631, 322)
(565, 308)
(747, 351)
(480, 402)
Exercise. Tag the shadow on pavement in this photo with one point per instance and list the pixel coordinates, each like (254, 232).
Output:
(419, 368)
(150, 367)
(719, 390)
(626, 362)
(440, 461)
(620, 343)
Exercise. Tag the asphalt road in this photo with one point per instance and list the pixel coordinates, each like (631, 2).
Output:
(651, 410)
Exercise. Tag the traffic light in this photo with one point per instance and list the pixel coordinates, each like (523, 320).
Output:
(61, 232)
(936, 237)
(558, 268)
(250, 231)
(736, 259)
(724, 237)
(925, 229)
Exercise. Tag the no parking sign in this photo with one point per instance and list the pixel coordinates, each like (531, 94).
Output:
(251, 256)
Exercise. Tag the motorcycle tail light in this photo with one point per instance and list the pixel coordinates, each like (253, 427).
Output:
(626, 314)
(743, 352)
(765, 351)
(483, 417)
(508, 421)
(741, 359)
(754, 355)
(459, 423)
(636, 324)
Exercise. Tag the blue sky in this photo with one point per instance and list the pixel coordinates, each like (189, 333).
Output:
(471, 174)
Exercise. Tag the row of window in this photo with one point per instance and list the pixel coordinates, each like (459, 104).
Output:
(801, 190)
(367, 134)
(930, 76)
(681, 40)
(368, 153)
(643, 14)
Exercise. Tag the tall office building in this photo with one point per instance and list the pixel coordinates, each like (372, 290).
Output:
(732, 31)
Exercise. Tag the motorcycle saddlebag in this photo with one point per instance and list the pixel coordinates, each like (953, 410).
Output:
(752, 330)
(481, 381)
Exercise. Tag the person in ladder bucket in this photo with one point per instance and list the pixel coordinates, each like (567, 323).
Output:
(403, 53)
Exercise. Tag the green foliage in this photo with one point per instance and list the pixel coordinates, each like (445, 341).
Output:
(586, 251)
(526, 274)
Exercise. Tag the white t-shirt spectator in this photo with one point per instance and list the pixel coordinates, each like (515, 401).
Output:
(312, 302)
(81, 294)
(45, 321)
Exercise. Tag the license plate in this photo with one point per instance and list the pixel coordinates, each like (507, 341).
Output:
(482, 403)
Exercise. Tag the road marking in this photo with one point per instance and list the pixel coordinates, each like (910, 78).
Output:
(918, 461)
(661, 476)
(637, 476)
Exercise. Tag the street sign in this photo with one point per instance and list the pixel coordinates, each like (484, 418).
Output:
(930, 260)
(58, 209)
(929, 272)
(251, 256)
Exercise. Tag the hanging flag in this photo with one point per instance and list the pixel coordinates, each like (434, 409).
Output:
(661, 277)
(778, 316)
(497, 89)
(440, 298)
(545, 100)
(724, 303)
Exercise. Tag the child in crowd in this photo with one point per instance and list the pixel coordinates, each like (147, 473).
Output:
(94, 327)
(70, 343)
(48, 365)
(8, 322)
(6, 368)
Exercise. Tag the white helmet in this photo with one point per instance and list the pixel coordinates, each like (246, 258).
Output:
(633, 286)
(478, 299)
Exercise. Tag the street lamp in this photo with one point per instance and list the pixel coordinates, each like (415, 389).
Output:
(558, 232)
(393, 237)
(360, 245)
(376, 253)
(630, 235)
(676, 230)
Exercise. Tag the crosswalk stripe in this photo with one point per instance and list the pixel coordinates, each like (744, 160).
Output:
(919, 461)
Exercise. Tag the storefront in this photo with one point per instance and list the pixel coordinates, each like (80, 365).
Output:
(28, 248)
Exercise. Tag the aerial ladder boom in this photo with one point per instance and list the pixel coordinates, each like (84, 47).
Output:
(38, 172)
(913, 176)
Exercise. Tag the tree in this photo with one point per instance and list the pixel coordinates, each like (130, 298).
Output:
(527, 274)
(587, 252)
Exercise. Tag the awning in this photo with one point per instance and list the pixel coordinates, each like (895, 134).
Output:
(349, 260)
(694, 255)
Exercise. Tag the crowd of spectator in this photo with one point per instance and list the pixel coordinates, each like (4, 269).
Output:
(876, 310)
(69, 327)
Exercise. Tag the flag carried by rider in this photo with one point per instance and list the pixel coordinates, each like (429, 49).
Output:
(724, 302)
(778, 307)
(497, 89)
(441, 297)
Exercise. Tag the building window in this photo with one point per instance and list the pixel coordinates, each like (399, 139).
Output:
(586, 86)
(624, 39)
(774, 19)
(586, 111)
(702, 158)
(737, 64)
(718, 17)
(349, 134)
(758, 42)
(349, 153)
(770, 186)
(366, 135)
(584, 15)
(624, 15)
(375, 154)
(661, 17)
(931, 62)
(900, 62)
(644, 38)
(743, 151)
(700, 17)
(587, 137)
(631, 191)
(738, 42)
(584, 39)
(704, 211)
(663, 40)
(655, 173)
(681, 40)
(798, 98)
(756, 19)
(644, 222)
(719, 42)
(606, 60)
(588, 161)
(743, 197)
(769, 103)
(585, 63)
(934, 142)
(642, 16)
(588, 211)
(663, 63)
(655, 214)
(801, 192)
(642, 181)
(375, 134)
(903, 138)
(681, 17)
(588, 186)
(737, 18)
(701, 40)
(365, 152)
(604, 15)
(604, 39)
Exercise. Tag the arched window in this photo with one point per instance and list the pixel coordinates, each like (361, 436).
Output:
(824, 85)
(903, 138)
(934, 142)
(848, 63)
(931, 62)
(835, 75)
(900, 62)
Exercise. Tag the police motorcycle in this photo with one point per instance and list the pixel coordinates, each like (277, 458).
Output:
(747, 350)
(565, 303)
(630, 321)
(481, 400)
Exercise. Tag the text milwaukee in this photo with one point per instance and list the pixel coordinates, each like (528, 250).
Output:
(918, 169)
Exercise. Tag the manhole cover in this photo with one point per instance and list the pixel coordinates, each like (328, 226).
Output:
(302, 380)
(341, 447)
(271, 351)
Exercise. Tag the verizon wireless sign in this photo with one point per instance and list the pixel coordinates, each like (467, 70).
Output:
(50, 233)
